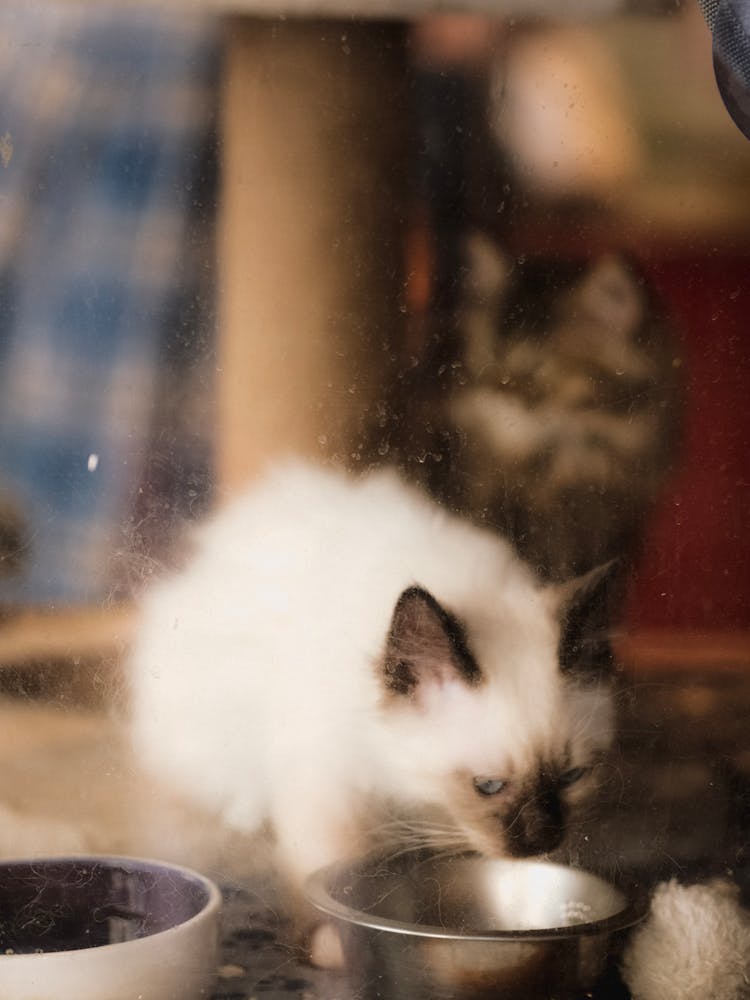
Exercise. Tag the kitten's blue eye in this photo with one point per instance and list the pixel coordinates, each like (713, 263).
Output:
(573, 775)
(489, 786)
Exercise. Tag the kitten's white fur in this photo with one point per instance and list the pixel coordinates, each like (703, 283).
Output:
(255, 681)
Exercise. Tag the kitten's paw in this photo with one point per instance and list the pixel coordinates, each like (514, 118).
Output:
(325, 947)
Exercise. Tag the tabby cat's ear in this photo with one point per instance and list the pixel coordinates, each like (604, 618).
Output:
(426, 645)
(611, 295)
(586, 609)
(484, 287)
(487, 267)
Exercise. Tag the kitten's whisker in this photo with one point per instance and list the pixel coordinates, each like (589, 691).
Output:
(405, 835)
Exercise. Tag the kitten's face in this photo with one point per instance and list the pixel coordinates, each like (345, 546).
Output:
(510, 754)
(524, 804)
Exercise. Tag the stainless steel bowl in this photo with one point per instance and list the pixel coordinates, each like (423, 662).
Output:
(420, 928)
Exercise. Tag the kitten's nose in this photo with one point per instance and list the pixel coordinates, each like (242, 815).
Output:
(538, 826)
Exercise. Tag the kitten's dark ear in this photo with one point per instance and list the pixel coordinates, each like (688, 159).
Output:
(586, 619)
(425, 645)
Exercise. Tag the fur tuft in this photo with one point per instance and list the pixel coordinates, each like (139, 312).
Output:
(694, 945)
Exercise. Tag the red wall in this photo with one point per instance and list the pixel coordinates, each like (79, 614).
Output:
(695, 568)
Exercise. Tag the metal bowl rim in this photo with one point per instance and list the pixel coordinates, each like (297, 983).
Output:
(318, 894)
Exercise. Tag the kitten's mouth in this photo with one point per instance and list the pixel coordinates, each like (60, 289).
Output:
(510, 847)
(542, 848)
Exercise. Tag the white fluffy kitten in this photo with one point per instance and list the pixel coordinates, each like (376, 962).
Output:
(343, 652)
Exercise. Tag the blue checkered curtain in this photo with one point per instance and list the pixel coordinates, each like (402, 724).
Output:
(105, 116)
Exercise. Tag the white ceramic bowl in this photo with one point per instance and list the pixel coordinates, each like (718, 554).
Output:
(106, 928)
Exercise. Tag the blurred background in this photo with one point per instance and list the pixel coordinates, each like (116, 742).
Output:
(570, 138)
(226, 236)
(108, 193)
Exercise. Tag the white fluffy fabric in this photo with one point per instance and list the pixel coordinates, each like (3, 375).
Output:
(695, 945)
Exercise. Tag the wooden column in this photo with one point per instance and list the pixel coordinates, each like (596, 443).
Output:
(315, 137)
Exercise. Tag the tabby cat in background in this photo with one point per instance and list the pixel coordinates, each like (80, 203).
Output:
(548, 411)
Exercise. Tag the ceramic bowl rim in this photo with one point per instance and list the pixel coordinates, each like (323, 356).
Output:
(317, 891)
(210, 908)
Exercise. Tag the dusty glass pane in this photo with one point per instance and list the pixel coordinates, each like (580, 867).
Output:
(500, 263)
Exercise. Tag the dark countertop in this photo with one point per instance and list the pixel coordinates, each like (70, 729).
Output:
(676, 804)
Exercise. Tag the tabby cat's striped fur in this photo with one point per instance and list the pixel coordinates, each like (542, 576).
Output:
(551, 415)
